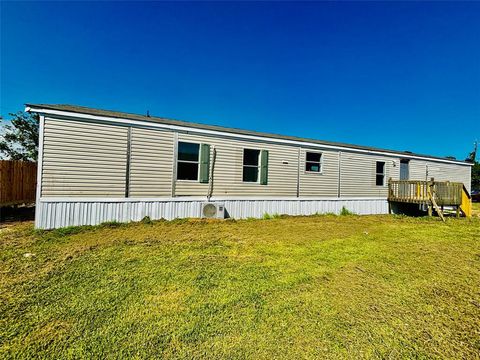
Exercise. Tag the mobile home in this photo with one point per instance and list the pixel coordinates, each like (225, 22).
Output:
(98, 165)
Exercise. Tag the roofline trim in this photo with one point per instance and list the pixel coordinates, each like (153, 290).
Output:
(151, 124)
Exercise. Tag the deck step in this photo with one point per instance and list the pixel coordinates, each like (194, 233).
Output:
(437, 209)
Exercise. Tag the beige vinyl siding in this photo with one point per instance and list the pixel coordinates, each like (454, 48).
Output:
(228, 174)
(324, 184)
(151, 163)
(417, 170)
(357, 175)
(83, 159)
(424, 170)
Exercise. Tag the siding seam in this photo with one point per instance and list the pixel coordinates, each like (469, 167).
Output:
(127, 167)
(174, 165)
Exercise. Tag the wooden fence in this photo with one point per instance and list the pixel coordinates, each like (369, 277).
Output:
(18, 181)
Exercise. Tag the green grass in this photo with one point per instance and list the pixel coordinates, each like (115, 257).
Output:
(288, 287)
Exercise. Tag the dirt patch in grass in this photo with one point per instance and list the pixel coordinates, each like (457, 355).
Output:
(476, 209)
(286, 287)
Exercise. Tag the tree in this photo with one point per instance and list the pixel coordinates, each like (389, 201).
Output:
(476, 176)
(19, 140)
(472, 157)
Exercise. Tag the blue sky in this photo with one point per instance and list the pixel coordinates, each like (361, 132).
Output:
(402, 76)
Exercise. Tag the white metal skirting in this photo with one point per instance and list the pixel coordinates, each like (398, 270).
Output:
(52, 214)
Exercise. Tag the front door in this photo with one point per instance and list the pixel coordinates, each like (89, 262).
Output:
(404, 170)
(404, 188)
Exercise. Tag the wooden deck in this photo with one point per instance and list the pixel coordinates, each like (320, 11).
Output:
(430, 193)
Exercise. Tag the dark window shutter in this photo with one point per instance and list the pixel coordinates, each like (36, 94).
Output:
(204, 163)
(264, 168)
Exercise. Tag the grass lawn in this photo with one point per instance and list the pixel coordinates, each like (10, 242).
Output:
(295, 287)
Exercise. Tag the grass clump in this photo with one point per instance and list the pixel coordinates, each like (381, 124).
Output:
(111, 224)
(346, 212)
(297, 287)
(324, 214)
(267, 216)
(146, 220)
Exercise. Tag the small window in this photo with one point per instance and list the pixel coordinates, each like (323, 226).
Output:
(251, 162)
(187, 164)
(380, 173)
(313, 162)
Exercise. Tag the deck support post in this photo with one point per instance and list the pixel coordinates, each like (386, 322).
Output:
(389, 195)
(430, 195)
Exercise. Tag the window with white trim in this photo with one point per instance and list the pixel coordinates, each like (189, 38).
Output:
(187, 161)
(251, 164)
(380, 173)
(313, 162)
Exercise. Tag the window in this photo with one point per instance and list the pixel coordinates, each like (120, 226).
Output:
(380, 173)
(251, 162)
(187, 165)
(313, 162)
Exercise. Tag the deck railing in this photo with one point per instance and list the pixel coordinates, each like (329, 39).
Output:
(420, 192)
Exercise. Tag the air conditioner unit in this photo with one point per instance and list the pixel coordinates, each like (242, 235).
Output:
(213, 210)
